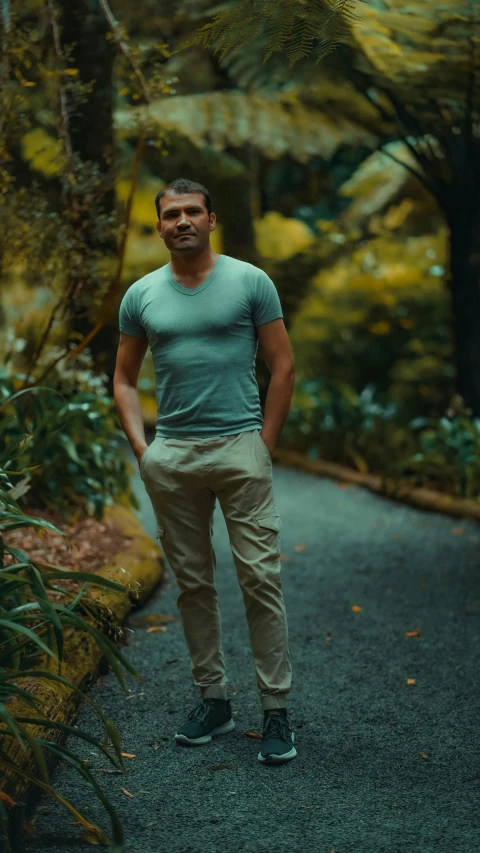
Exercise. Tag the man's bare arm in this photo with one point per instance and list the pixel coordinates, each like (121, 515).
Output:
(130, 354)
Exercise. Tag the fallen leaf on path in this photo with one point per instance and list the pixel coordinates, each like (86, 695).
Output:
(157, 747)
(283, 558)
(7, 799)
(251, 733)
(300, 548)
(356, 608)
(413, 633)
(423, 755)
(92, 832)
(128, 754)
(457, 531)
(221, 767)
(411, 681)
(127, 793)
(328, 638)
(157, 628)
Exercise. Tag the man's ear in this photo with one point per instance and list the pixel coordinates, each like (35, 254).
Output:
(158, 226)
(213, 221)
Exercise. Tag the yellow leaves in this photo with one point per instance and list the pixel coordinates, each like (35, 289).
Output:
(356, 608)
(72, 72)
(156, 628)
(129, 754)
(413, 633)
(411, 681)
(278, 237)
(42, 152)
(397, 213)
(254, 734)
(424, 755)
(457, 531)
(380, 328)
(300, 548)
(22, 80)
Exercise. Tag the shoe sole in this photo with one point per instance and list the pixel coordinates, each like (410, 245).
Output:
(277, 759)
(199, 741)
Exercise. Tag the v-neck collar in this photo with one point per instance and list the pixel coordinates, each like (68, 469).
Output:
(191, 291)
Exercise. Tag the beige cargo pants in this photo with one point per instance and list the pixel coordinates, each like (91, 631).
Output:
(183, 478)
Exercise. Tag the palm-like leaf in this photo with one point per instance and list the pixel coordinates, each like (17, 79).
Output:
(277, 125)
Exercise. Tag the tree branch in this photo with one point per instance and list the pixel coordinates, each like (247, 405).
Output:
(124, 49)
(422, 178)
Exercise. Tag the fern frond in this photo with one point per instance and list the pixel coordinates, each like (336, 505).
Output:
(274, 124)
(296, 25)
(279, 31)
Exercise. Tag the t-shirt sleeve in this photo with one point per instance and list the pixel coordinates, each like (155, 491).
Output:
(266, 301)
(128, 314)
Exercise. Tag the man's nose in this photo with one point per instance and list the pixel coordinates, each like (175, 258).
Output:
(183, 219)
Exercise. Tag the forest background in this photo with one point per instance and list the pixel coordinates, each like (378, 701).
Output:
(341, 145)
(342, 154)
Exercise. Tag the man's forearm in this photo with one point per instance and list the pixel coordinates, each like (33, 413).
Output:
(130, 415)
(277, 406)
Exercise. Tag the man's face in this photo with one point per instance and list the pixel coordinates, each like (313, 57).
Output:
(184, 223)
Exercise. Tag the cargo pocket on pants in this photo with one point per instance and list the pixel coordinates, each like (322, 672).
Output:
(273, 524)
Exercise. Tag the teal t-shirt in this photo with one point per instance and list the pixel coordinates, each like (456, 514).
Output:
(204, 343)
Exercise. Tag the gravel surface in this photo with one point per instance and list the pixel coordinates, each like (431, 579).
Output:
(383, 766)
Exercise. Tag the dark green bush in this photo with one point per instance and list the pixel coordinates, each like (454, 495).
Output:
(331, 420)
(69, 448)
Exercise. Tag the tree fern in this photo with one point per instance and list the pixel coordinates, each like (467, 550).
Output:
(274, 124)
(291, 25)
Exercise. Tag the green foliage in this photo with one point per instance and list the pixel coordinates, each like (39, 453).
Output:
(32, 639)
(450, 451)
(65, 440)
(296, 26)
(328, 419)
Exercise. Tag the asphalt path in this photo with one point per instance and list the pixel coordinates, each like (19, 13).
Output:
(383, 765)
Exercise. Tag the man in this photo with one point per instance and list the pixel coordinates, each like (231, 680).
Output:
(203, 315)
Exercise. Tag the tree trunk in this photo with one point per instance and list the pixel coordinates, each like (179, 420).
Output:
(234, 205)
(91, 132)
(464, 223)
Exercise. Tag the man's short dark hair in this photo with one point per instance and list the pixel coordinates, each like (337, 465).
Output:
(184, 185)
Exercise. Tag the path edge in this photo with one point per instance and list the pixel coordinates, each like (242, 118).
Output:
(421, 498)
(141, 569)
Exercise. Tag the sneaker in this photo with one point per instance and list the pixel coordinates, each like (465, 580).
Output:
(278, 738)
(213, 717)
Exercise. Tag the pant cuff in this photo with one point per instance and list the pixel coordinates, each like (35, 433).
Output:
(214, 691)
(269, 702)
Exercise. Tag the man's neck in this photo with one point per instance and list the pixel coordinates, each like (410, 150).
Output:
(194, 267)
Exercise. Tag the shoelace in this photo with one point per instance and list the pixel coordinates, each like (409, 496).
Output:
(277, 726)
(200, 712)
